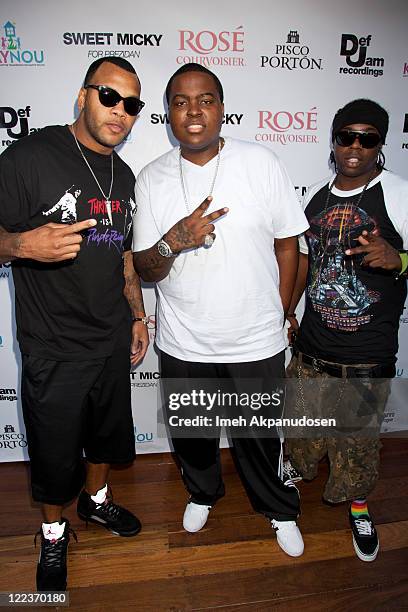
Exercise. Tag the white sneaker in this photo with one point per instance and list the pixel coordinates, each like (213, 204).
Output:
(289, 537)
(195, 516)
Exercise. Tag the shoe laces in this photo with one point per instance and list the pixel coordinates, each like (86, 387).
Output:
(53, 550)
(289, 471)
(364, 526)
(109, 507)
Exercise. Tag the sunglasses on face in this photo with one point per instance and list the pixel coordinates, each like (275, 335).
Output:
(109, 97)
(368, 140)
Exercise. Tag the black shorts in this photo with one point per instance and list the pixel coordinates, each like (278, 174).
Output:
(71, 407)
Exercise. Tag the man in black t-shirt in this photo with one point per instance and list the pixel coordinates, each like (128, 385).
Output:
(351, 268)
(66, 209)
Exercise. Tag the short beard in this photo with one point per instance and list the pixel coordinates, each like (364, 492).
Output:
(93, 132)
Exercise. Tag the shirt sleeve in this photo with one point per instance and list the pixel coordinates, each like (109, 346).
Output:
(288, 216)
(18, 190)
(395, 191)
(303, 248)
(145, 230)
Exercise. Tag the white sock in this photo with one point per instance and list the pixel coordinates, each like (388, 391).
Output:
(53, 531)
(100, 495)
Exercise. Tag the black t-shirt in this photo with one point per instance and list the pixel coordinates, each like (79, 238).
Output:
(351, 311)
(72, 310)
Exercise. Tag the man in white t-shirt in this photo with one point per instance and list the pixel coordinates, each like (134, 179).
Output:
(224, 277)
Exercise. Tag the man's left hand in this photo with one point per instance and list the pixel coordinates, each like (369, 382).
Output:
(378, 252)
(140, 342)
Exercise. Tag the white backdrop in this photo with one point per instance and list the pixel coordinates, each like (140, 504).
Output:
(285, 67)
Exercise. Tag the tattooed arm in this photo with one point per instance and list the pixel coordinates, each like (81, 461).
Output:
(133, 294)
(188, 233)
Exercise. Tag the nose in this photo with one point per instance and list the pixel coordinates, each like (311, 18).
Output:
(356, 142)
(119, 109)
(194, 108)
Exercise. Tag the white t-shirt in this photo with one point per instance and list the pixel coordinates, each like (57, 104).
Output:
(223, 304)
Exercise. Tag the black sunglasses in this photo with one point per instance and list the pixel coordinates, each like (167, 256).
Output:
(368, 140)
(110, 97)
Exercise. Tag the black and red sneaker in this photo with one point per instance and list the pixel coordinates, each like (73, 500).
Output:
(52, 563)
(108, 514)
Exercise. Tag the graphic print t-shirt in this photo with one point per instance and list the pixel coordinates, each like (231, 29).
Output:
(352, 311)
(76, 309)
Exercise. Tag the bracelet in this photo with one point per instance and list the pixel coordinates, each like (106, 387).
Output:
(144, 320)
(291, 315)
(404, 262)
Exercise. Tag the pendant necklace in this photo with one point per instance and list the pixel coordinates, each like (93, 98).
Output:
(323, 247)
(208, 241)
(107, 198)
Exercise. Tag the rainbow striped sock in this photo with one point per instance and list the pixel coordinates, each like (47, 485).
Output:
(359, 507)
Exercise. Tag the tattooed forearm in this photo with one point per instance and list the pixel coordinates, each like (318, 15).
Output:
(132, 290)
(151, 266)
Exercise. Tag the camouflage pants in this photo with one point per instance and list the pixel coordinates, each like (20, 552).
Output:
(353, 459)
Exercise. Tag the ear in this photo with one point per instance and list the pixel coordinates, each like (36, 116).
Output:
(81, 99)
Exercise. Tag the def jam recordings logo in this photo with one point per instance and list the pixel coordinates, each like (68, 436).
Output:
(9, 395)
(212, 48)
(229, 118)
(405, 130)
(285, 127)
(291, 55)
(107, 39)
(13, 54)
(355, 51)
(12, 440)
(15, 122)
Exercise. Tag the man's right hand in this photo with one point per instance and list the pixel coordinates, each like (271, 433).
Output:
(190, 232)
(52, 242)
(292, 329)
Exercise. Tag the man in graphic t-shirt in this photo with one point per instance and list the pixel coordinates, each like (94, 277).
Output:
(224, 279)
(351, 268)
(66, 207)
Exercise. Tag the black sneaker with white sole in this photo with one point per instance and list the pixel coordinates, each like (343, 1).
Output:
(108, 514)
(365, 538)
(52, 564)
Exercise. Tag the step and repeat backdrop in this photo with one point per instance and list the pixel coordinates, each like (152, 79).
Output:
(285, 67)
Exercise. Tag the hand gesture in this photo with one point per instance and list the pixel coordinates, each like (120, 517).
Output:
(190, 232)
(53, 242)
(378, 252)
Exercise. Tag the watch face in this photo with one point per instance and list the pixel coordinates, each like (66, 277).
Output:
(164, 249)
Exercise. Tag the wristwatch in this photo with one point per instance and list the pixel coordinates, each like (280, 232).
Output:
(144, 320)
(164, 249)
